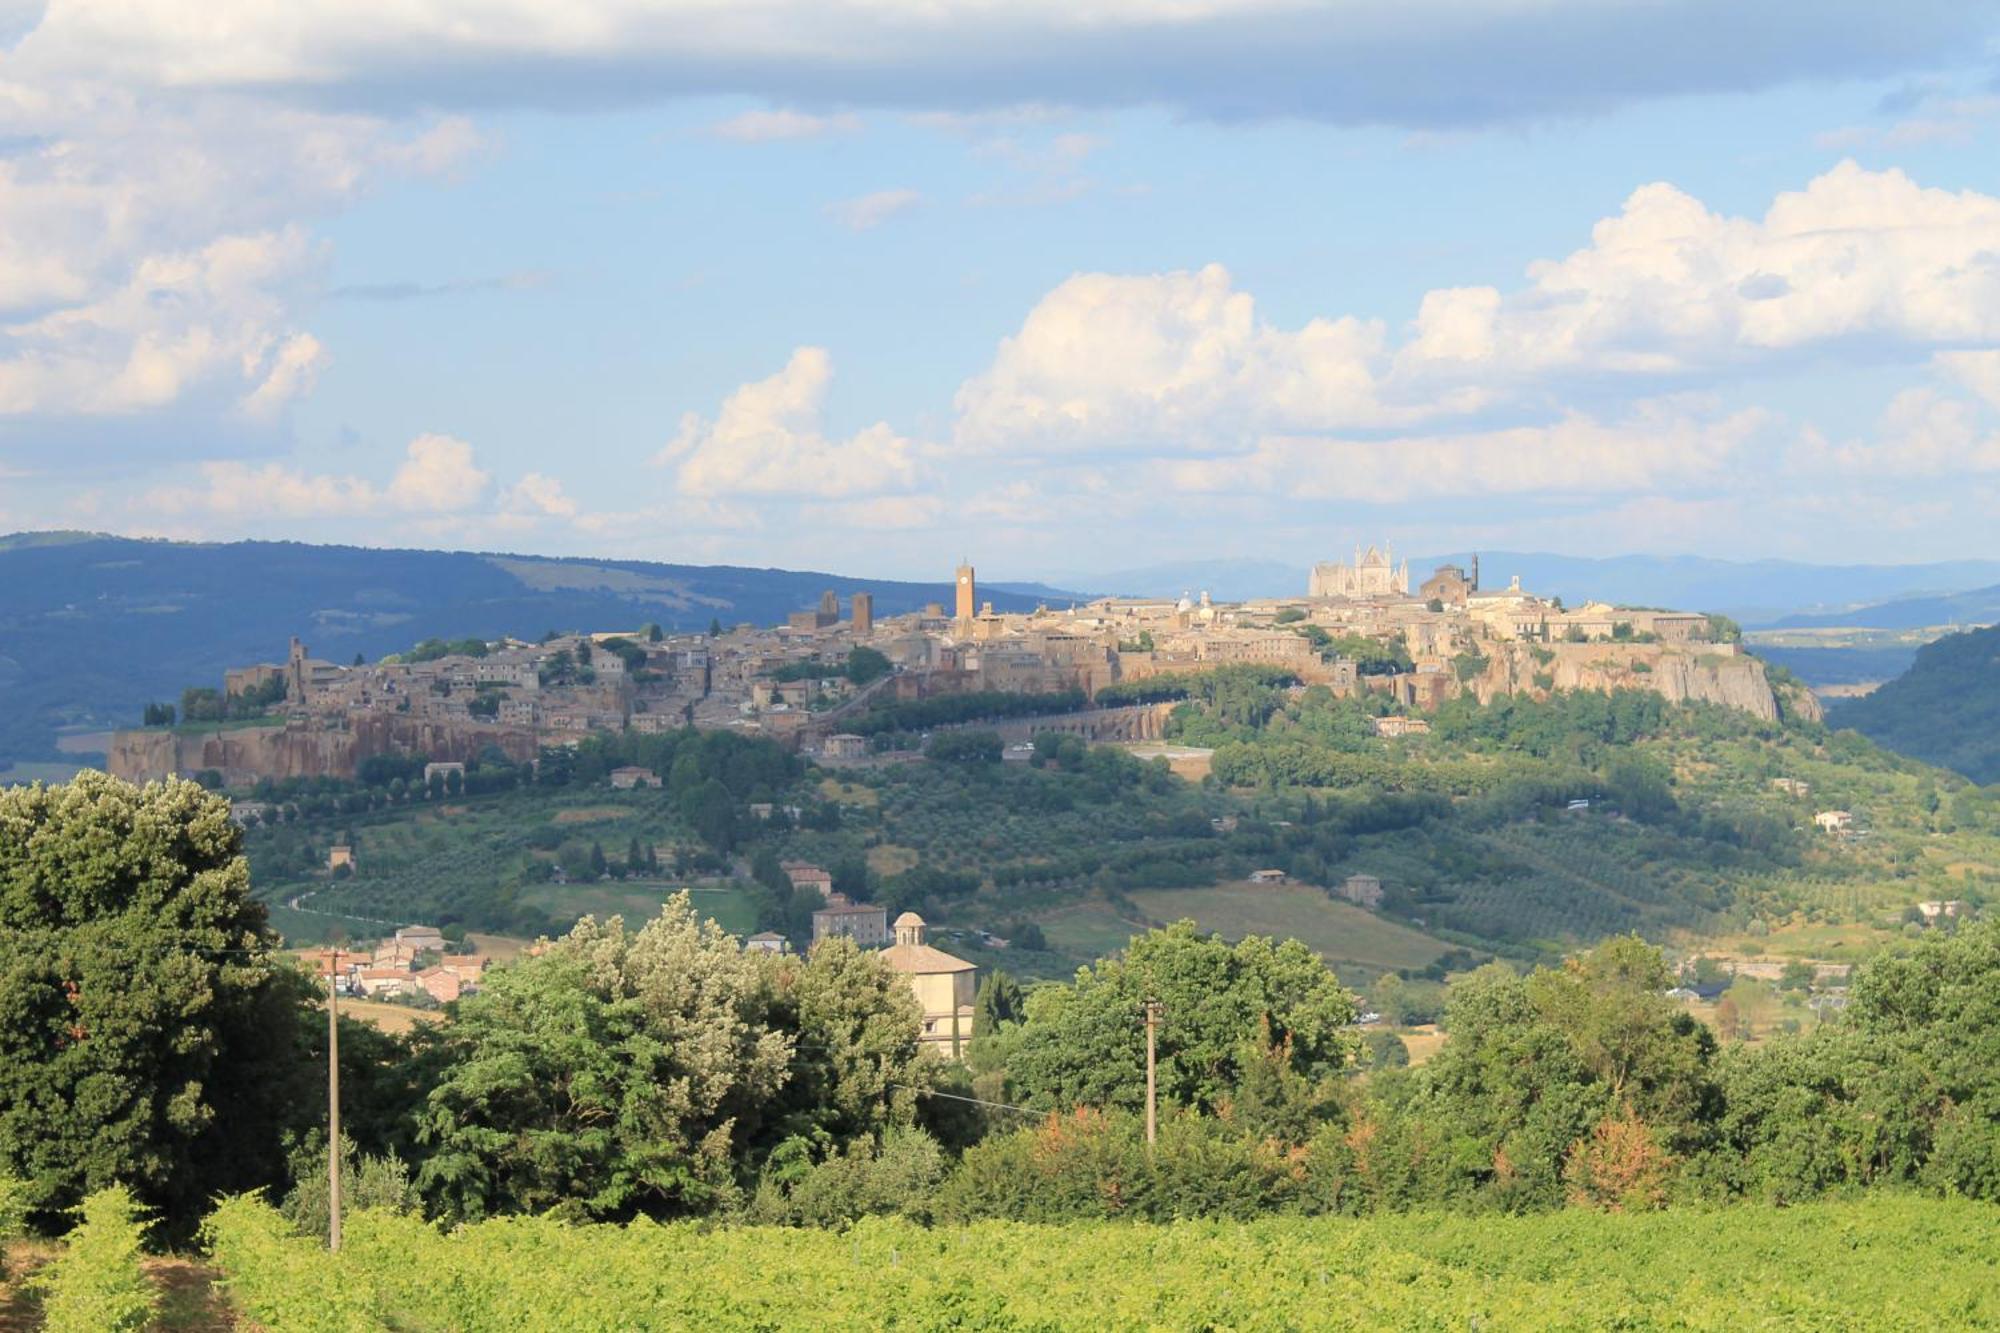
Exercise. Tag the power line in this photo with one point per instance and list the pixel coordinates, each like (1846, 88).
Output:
(976, 1101)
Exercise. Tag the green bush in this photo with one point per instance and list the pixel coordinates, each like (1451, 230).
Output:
(96, 1285)
(13, 1215)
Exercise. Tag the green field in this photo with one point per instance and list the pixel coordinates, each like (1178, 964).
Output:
(1351, 939)
(1893, 1262)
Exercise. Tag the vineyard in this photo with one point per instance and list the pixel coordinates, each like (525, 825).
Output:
(1892, 1262)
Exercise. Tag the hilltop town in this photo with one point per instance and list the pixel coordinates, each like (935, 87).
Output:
(1360, 626)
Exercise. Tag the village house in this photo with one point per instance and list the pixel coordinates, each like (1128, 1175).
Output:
(1362, 890)
(1268, 877)
(767, 941)
(633, 776)
(1833, 821)
(944, 987)
(806, 875)
(339, 856)
(442, 984)
(844, 747)
(867, 924)
(1400, 725)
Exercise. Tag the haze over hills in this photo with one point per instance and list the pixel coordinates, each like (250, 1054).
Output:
(92, 627)
(1754, 592)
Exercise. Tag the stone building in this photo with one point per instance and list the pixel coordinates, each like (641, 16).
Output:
(867, 924)
(944, 986)
(1374, 573)
(864, 614)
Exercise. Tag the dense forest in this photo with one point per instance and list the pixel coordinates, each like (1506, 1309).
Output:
(1945, 709)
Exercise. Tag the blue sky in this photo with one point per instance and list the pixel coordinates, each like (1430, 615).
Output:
(1062, 287)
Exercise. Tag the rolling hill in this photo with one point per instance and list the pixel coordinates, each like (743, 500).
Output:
(93, 626)
(1945, 709)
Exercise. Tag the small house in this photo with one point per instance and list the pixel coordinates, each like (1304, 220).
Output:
(632, 776)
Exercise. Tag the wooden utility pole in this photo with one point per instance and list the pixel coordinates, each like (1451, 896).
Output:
(333, 1101)
(1152, 1082)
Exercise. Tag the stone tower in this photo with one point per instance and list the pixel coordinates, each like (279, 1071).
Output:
(968, 607)
(864, 614)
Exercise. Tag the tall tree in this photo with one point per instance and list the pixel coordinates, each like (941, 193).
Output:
(1084, 1044)
(149, 1033)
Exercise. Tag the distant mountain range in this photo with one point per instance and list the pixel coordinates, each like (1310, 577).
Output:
(1978, 606)
(1944, 709)
(92, 627)
(1760, 592)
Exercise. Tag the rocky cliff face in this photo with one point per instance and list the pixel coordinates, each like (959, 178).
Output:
(1700, 673)
(306, 749)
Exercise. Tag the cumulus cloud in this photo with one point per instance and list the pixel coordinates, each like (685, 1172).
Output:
(1668, 286)
(176, 323)
(438, 476)
(1182, 365)
(1168, 363)
(1422, 63)
(872, 210)
(536, 494)
(769, 439)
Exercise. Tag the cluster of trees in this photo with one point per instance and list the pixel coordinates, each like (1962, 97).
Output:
(862, 666)
(430, 650)
(156, 1040)
(203, 703)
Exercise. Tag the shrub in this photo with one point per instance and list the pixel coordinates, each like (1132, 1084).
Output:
(13, 1215)
(366, 1181)
(96, 1284)
(900, 1175)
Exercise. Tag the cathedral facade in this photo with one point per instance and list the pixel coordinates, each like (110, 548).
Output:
(1374, 573)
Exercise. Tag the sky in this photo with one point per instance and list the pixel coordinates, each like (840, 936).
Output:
(1055, 285)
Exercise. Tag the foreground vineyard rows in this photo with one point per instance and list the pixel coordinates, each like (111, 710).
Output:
(1889, 1262)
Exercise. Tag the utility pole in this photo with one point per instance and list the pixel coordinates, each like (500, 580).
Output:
(1152, 1081)
(333, 1100)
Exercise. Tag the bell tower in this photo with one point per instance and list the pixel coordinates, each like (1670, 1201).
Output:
(967, 592)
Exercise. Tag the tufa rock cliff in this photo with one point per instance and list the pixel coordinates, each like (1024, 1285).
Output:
(307, 748)
(1683, 673)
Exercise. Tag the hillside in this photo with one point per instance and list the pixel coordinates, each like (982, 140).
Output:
(1945, 709)
(93, 626)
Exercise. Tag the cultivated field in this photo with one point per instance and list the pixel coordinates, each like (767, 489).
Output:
(1889, 1262)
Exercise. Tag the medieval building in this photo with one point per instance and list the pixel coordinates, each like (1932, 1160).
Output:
(1374, 573)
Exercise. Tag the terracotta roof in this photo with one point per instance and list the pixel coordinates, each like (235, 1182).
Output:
(849, 909)
(921, 958)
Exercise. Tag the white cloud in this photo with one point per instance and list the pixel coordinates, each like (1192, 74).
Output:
(1977, 371)
(1182, 365)
(538, 495)
(872, 210)
(438, 476)
(769, 439)
(1921, 434)
(1659, 445)
(177, 323)
(1170, 363)
(779, 124)
(1421, 63)
(1668, 287)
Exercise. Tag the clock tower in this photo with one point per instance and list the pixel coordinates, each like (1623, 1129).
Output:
(967, 607)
